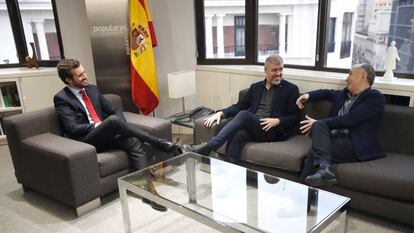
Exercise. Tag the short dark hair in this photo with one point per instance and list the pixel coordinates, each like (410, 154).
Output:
(65, 66)
(370, 72)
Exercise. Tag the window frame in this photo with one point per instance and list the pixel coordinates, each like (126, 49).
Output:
(251, 17)
(19, 37)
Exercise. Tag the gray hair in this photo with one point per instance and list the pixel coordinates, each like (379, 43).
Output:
(369, 70)
(274, 59)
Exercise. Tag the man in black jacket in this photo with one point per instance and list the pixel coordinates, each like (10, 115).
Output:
(267, 113)
(350, 132)
(88, 117)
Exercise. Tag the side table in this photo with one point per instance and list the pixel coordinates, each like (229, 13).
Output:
(182, 120)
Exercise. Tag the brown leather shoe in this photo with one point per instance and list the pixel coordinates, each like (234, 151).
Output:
(154, 205)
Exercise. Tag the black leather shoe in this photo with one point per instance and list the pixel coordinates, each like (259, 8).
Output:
(322, 177)
(202, 149)
(168, 147)
(177, 152)
(154, 205)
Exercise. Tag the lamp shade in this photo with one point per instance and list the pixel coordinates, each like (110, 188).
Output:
(181, 84)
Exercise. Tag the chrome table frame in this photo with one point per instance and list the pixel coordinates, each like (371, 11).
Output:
(124, 186)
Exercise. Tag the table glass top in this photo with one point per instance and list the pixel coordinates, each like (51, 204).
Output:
(243, 199)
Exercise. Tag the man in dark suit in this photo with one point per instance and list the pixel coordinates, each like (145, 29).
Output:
(267, 113)
(88, 117)
(350, 133)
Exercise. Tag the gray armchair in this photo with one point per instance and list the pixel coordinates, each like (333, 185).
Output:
(67, 170)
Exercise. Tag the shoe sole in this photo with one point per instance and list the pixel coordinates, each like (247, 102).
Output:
(154, 205)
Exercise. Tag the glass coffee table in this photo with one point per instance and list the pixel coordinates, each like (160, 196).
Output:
(231, 198)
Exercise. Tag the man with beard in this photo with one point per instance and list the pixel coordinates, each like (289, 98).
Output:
(87, 116)
(266, 113)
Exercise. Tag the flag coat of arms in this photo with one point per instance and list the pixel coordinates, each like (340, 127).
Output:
(143, 72)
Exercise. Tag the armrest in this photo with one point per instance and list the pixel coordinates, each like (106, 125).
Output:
(202, 133)
(155, 126)
(64, 169)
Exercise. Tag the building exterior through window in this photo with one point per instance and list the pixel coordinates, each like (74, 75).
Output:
(39, 28)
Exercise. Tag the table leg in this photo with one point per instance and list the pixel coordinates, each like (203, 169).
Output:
(344, 221)
(191, 180)
(124, 206)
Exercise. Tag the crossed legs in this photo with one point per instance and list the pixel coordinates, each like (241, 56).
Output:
(326, 149)
(243, 128)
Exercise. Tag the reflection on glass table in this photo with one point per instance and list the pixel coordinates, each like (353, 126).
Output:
(232, 198)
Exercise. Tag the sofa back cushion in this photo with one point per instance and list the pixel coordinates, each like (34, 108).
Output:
(115, 100)
(397, 130)
(317, 110)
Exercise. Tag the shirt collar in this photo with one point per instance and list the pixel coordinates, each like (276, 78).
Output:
(74, 90)
(354, 96)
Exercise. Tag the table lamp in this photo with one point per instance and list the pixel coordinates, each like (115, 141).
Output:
(181, 84)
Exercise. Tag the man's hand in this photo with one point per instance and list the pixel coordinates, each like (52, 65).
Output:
(208, 122)
(269, 123)
(301, 100)
(306, 125)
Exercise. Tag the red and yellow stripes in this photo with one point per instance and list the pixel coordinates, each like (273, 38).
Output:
(143, 71)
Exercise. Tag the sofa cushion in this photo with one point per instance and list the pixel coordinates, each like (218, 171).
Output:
(391, 176)
(112, 161)
(287, 155)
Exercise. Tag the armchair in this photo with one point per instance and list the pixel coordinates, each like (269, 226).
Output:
(66, 170)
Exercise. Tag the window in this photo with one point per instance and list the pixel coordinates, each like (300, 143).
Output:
(29, 27)
(287, 29)
(328, 35)
(239, 32)
(224, 29)
(331, 35)
(8, 49)
(346, 35)
(368, 28)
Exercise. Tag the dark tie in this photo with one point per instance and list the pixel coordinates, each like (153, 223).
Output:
(89, 106)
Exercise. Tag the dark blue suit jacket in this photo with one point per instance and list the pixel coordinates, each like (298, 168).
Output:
(363, 119)
(72, 114)
(283, 105)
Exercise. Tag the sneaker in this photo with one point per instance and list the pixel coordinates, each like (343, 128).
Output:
(202, 149)
(322, 177)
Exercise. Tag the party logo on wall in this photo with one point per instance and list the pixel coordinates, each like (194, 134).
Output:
(138, 39)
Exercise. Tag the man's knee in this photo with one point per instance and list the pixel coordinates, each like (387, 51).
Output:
(319, 126)
(243, 114)
(114, 120)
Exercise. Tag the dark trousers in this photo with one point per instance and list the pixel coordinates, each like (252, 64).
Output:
(327, 149)
(114, 132)
(244, 127)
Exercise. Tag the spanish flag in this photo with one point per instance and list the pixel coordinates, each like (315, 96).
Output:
(142, 40)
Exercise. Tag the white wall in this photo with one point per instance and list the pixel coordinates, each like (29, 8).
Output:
(174, 23)
(75, 35)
